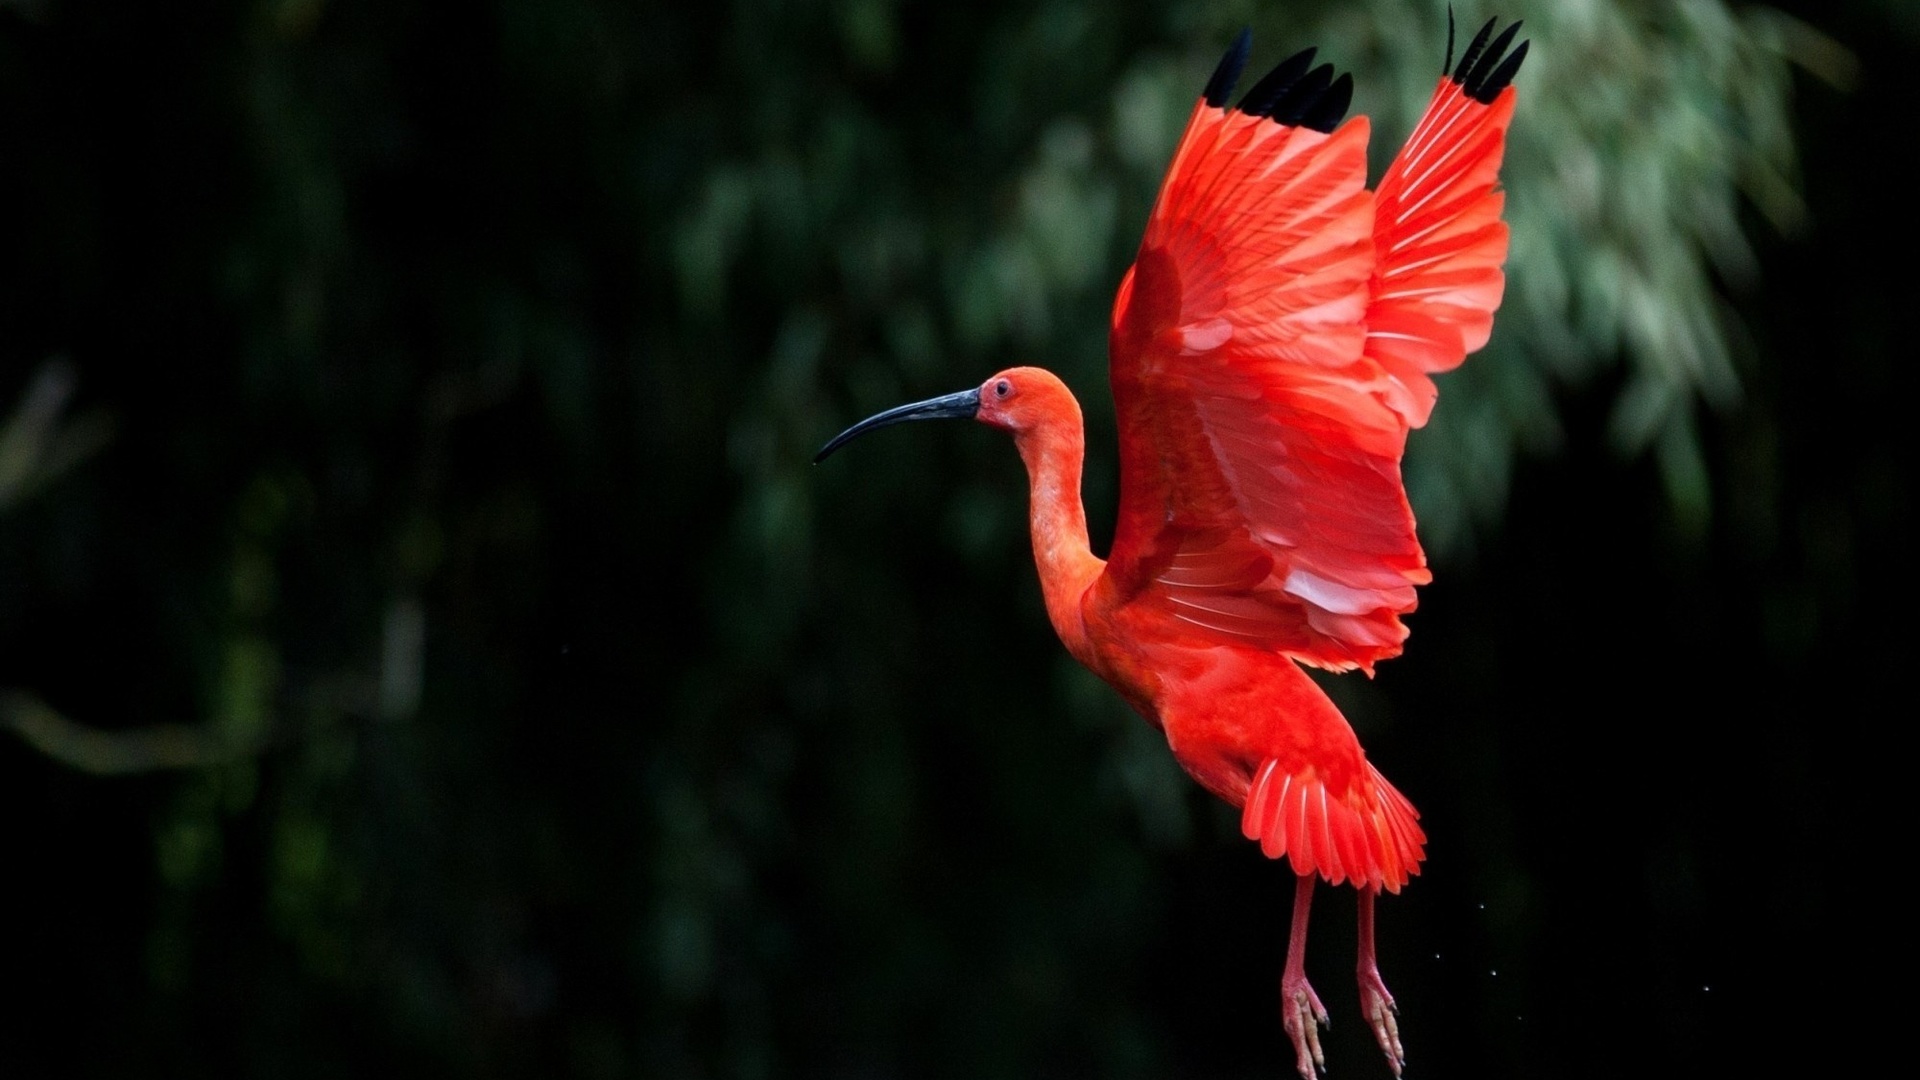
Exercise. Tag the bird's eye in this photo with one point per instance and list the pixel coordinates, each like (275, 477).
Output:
(1002, 388)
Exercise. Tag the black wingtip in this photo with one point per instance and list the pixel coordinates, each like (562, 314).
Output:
(1259, 100)
(1472, 54)
(1447, 67)
(1325, 115)
(1483, 72)
(1302, 97)
(1502, 76)
(1292, 95)
(1220, 87)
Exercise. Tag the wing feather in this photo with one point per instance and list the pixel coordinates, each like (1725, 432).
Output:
(1270, 349)
(1440, 244)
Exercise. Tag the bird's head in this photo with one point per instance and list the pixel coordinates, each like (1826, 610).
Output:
(1016, 400)
(1022, 399)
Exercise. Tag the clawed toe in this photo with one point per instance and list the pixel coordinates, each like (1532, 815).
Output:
(1383, 1016)
(1303, 1016)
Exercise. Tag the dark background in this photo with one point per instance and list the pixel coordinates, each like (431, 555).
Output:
(432, 651)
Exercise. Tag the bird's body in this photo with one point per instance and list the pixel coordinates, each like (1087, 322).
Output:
(1270, 349)
(1227, 708)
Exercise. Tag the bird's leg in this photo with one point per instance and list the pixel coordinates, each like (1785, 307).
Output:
(1376, 1004)
(1300, 1010)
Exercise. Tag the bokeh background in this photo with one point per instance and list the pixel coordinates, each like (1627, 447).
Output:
(425, 647)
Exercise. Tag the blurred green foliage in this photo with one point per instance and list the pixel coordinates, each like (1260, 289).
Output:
(405, 478)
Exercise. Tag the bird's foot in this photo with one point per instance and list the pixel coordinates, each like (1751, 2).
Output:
(1303, 1016)
(1376, 1004)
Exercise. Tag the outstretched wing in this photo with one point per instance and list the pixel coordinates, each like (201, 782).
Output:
(1439, 241)
(1260, 436)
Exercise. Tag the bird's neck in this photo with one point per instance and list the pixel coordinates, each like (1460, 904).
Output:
(1058, 521)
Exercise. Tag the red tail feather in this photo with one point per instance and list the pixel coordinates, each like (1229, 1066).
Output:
(1370, 834)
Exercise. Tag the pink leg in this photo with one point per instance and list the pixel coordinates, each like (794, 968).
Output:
(1300, 1010)
(1376, 1004)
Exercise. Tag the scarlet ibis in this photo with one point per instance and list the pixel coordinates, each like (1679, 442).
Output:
(1270, 348)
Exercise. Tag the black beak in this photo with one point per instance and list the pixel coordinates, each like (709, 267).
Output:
(964, 405)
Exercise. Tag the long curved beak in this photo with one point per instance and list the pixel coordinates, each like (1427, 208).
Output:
(964, 405)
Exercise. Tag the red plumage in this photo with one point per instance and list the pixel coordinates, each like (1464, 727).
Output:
(1271, 347)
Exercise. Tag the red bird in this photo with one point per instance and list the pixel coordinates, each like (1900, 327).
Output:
(1271, 347)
